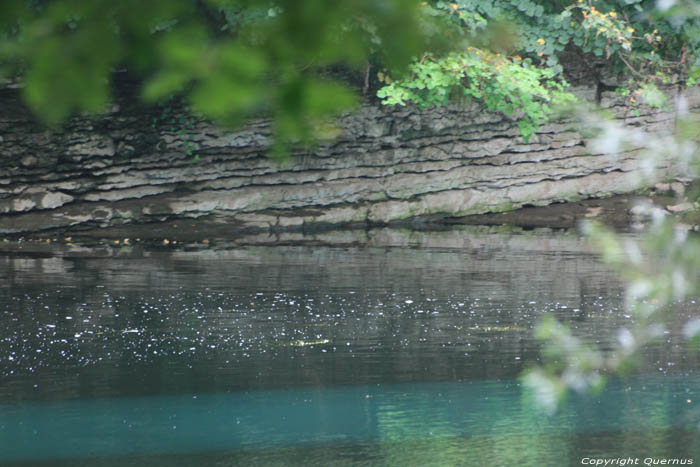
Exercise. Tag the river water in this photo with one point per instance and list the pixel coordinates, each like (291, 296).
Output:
(403, 351)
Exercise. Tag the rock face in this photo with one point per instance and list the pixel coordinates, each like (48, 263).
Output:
(134, 164)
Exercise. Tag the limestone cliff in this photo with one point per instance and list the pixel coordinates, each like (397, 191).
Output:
(385, 164)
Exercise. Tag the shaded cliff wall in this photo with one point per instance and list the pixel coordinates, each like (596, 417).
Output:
(386, 164)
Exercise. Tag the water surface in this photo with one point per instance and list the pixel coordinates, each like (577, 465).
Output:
(404, 352)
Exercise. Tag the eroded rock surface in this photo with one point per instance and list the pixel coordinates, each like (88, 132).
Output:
(387, 164)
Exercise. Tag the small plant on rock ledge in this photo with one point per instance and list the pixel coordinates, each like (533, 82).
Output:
(178, 122)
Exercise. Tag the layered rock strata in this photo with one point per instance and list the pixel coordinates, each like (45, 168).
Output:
(384, 165)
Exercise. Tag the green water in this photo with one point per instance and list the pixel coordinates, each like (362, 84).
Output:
(324, 356)
(430, 416)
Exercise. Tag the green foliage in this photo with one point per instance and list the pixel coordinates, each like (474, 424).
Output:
(503, 84)
(570, 363)
(233, 59)
(65, 51)
(629, 34)
(230, 59)
(626, 36)
(661, 269)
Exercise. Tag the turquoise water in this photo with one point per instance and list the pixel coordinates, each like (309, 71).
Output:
(404, 414)
(395, 355)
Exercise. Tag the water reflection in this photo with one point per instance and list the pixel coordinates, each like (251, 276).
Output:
(361, 355)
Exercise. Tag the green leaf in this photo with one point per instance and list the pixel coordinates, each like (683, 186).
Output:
(71, 73)
(321, 97)
(165, 84)
(217, 97)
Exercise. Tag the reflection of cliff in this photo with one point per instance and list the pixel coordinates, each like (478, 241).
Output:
(385, 165)
(461, 307)
(462, 261)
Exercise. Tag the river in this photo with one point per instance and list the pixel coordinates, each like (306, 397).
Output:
(405, 350)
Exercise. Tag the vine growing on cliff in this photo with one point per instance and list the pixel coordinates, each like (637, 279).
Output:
(179, 122)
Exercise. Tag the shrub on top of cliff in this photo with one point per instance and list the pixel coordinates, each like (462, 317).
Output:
(505, 84)
(626, 37)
